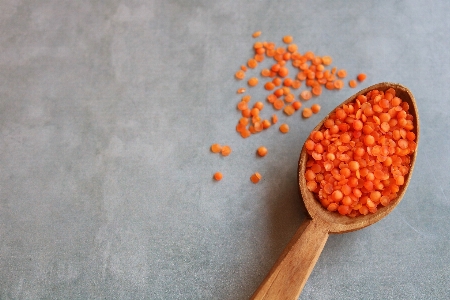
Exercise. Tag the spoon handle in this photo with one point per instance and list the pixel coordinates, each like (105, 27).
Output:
(288, 276)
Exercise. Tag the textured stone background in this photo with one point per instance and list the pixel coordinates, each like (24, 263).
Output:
(107, 112)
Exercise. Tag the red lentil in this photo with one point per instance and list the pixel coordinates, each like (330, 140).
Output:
(226, 150)
(326, 60)
(315, 108)
(307, 112)
(262, 151)
(289, 110)
(297, 105)
(218, 176)
(256, 177)
(216, 148)
(287, 39)
(361, 77)
(256, 34)
(342, 73)
(284, 128)
(252, 63)
(253, 81)
(240, 74)
(306, 95)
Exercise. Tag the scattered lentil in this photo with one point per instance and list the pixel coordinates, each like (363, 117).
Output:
(256, 34)
(216, 148)
(307, 112)
(315, 108)
(284, 128)
(226, 150)
(218, 176)
(361, 77)
(262, 151)
(256, 177)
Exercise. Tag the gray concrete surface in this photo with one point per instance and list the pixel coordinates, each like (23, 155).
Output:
(107, 112)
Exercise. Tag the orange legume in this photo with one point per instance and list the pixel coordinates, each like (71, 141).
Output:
(352, 83)
(256, 177)
(302, 75)
(245, 133)
(243, 121)
(242, 105)
(361, 77)
(297, 105)
(252, 63)
(259, 105)
(276, 81)
(216, 148)
(271, 98)
(317, 90)
(258, 45)
(274, 119)
(262, 151)
(240, 127)
(275, 67)
(292, 48)
(326, 60)
(278, 104)
(269, 86)
(289, 98)
(289, 110)
(338, 84)
(283, 72)
(287, 82)
(246, 113)
(280, 50)
(286, 90)
(315, 108)
(256, 34)
(284, 128)
(342, 73)
(306, 95)
(253, 81)
(296, 84)
(307, 112)
(357, 125)
(226, 150)
(240, 74)
(265, 72)
(218, 176)
(287, 39)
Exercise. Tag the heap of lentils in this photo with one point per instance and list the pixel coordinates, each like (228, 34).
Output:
(311, 73)
(359, 158)
(310, 70)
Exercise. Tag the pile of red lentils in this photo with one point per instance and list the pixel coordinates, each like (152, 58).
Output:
(312, 73)
(358, 160)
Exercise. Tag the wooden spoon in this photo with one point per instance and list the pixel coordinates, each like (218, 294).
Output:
(288, 276)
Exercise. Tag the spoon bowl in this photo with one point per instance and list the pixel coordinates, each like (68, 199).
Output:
(288, 276)
(335, 222)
